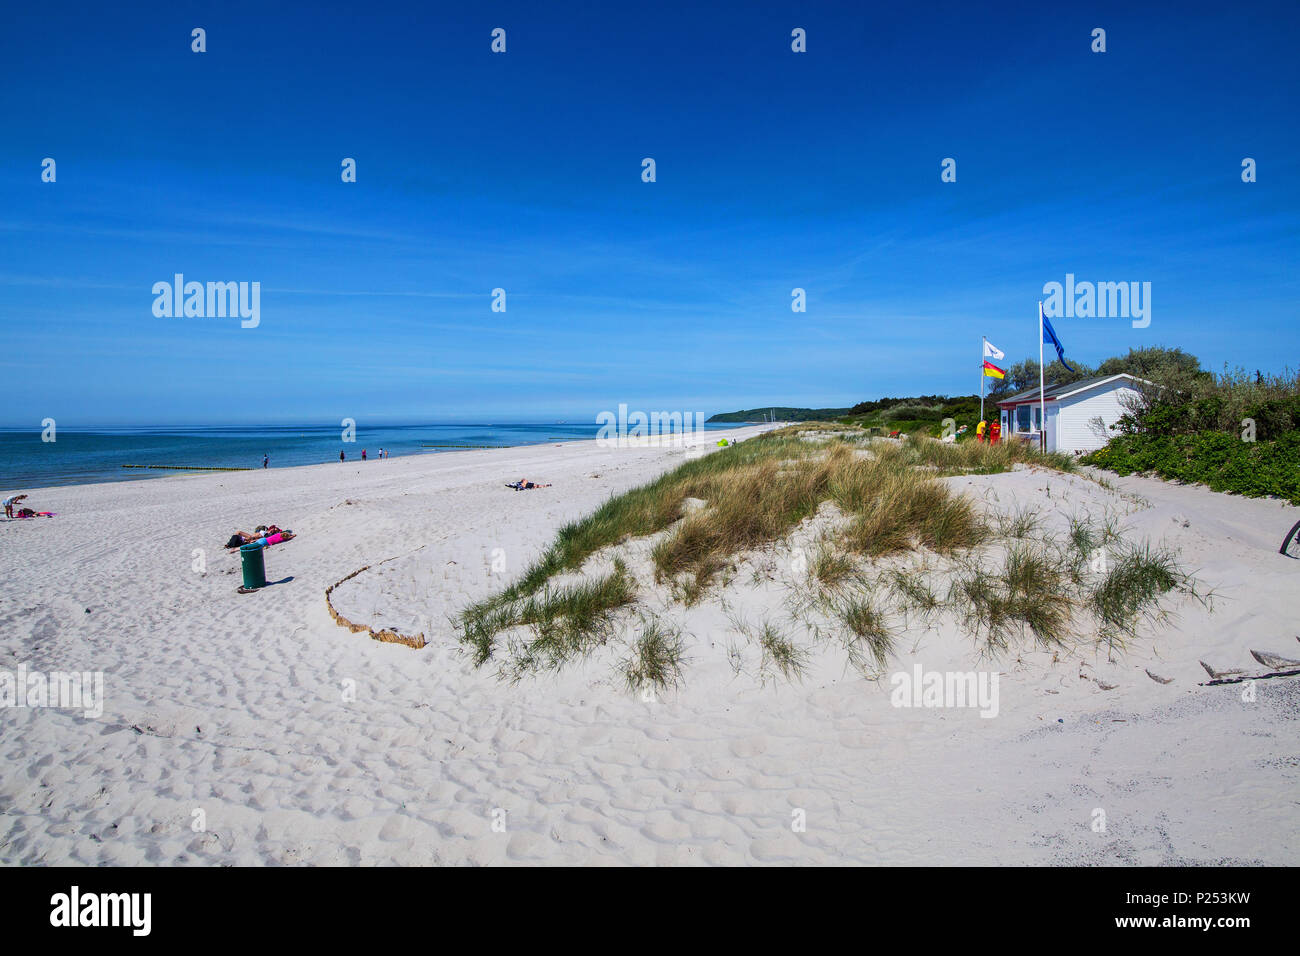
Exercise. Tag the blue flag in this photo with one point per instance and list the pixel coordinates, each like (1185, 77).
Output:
(1049, 337)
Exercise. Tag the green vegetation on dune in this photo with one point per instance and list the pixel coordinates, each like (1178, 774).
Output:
(1221, 461)
(749, 496)
(1233, 432)
(924, 414)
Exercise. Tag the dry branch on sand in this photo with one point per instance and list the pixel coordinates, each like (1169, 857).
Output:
(383, 634)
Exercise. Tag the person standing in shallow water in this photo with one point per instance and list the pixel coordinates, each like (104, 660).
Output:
(363, 454)
(266, 460)
(342, 456)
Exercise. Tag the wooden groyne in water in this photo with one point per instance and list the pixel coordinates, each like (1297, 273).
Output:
(188, 467)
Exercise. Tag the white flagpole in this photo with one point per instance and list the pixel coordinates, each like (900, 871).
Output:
(1042, 401)
(984, 342)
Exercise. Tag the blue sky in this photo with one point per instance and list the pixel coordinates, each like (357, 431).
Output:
(522, 170)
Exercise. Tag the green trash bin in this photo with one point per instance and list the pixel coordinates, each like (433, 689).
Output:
(254, 565)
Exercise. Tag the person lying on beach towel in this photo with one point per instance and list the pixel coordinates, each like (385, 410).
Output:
(243, 537)
(523, 485)
(265, 540)
(29, 513)
(263, 533)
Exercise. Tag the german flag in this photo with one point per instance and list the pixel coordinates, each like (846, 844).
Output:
(992, 371)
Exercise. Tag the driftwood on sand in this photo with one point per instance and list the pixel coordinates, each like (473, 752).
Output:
(390, 637)
(1281, 667)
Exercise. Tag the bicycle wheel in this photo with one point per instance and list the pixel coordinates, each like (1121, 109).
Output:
(1291, 543)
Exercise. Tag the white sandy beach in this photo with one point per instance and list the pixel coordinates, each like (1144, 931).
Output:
(241, 706)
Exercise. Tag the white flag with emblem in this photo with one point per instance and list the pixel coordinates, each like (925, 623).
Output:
(992, 351)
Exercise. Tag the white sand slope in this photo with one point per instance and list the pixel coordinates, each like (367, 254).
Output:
(300, 742)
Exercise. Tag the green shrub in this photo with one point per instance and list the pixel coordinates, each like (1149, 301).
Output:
(1218, 459)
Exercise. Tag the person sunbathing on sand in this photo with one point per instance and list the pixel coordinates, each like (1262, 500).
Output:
(523, 485)
(266, 538)
(240, 538)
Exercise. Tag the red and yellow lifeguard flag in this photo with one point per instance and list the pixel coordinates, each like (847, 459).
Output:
(992, 371)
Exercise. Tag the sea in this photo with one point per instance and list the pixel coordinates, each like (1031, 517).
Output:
(27, 460)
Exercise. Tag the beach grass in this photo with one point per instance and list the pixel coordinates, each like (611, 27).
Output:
(780, 653)
(1027, 594)
(565, 621)
(656, 657)
(1131, 587)
(912, 592)
(887, 503)
(869, 639)
(832, 568)
(754, 492)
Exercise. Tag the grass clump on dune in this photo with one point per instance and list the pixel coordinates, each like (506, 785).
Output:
(566, 622)
(1042, 586)
(899, 508)
(1087, 544)
(869, 637)
(912, 592)
(1027, 594)
(1131, 588)
(831, 568)
(656, 658)
(748, 506)
(781, 653)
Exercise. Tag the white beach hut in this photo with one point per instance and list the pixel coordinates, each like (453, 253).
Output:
(1079, 415)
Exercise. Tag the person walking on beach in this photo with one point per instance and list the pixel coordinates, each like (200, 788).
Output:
(266, 460)
(10, 502)
(363, 454)
(342, 456)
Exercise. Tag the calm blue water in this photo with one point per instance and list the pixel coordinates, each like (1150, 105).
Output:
(86, 456)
